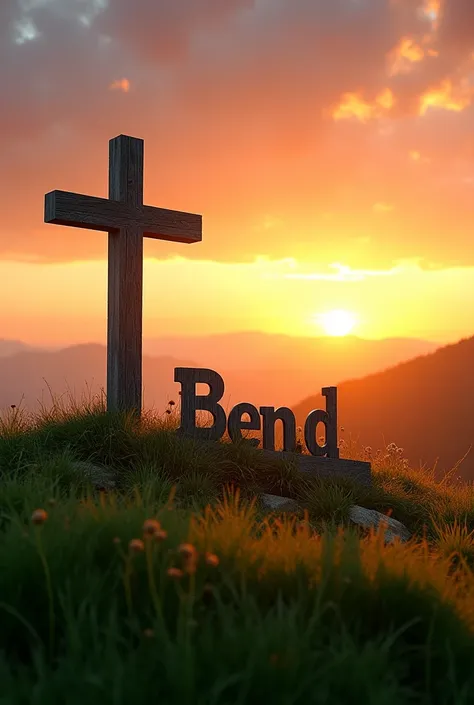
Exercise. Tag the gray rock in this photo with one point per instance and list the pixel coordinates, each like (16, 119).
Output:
(370, 517)
(275, 503)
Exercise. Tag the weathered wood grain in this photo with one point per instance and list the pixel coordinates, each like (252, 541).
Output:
(235, 423)
(270, 417)
(125, 280)
(79, 211)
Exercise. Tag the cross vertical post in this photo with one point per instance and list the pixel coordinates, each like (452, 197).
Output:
(125, 280)
(127, 221)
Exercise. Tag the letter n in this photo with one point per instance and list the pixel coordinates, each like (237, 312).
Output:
(270, 417)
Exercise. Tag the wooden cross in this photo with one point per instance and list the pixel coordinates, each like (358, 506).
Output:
(127, 221)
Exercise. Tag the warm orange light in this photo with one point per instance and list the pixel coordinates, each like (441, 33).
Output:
(338, 322)
(432, 9)
(448, 97)
(352, 105)
(404, 55)
(120, 85)
(385, 99)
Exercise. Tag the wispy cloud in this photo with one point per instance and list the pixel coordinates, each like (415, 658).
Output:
(353, 105)
(448, 96)
(343, 274)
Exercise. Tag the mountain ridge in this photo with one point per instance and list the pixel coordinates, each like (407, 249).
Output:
(424, 405)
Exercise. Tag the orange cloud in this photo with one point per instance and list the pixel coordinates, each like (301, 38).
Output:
(447, 96)
(353, 105)
(431, 9)
(120, 85)
(404, 55)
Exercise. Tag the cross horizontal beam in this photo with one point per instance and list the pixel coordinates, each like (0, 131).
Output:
(79, 211)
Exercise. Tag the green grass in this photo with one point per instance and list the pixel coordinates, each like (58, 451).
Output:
(300, 608)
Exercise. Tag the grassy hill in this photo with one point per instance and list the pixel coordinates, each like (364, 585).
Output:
(172, 584)
(425, 405)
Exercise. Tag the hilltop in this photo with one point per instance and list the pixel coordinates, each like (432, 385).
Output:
(425, 405)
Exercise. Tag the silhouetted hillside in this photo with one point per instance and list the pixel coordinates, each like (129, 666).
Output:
(426, 406)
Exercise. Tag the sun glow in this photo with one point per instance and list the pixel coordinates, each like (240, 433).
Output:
(338, 322)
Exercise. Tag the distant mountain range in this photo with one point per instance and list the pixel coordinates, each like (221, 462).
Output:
(12, 347)
(259, 368)
(425, 406)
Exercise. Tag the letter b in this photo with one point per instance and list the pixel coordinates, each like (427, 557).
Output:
(191, 402)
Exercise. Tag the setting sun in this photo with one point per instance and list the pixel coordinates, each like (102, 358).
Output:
(338, 322)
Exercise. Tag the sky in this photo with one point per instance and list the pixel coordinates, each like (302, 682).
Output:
(328, 146)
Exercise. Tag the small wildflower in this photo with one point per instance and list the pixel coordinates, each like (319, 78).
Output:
(187, 550)
(136, 546)
(13, 406)
(151, 526)
(160, 535)
(149, 633)
(175, 572)
(189, 553)
(172, 403)
(39, 516)
(168, 411)
(212, 559)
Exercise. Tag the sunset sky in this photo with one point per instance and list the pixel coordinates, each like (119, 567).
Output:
(328, 144)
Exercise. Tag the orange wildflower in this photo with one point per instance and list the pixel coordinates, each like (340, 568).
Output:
(136, 546)
(151, 526)
(39, 516)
